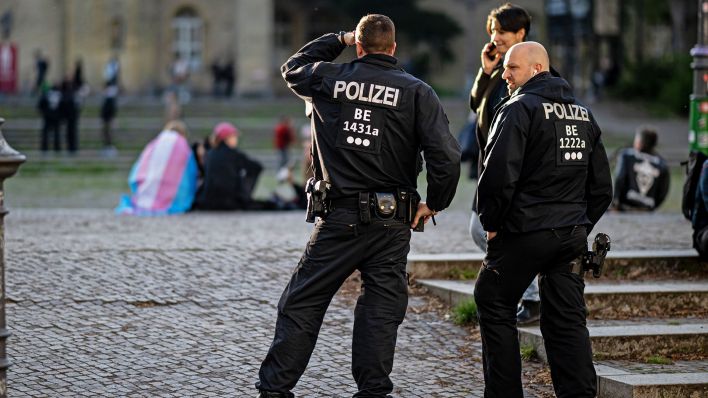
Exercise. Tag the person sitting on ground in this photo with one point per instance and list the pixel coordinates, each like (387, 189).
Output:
(642, 176)
(229, 175)
(164, 179)
(288, 195)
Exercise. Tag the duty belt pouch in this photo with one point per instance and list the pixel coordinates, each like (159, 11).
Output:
(413, 205)
(404, 204)
(385, 205)
(364, 209)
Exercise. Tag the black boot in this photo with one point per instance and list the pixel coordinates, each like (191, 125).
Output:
(529, 312)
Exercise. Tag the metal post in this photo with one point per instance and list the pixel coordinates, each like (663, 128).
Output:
(698, 134)
(10, 161)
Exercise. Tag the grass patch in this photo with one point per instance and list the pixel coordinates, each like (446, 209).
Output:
(658, 360)
(528, 352)
(465, 313)
(463, 274)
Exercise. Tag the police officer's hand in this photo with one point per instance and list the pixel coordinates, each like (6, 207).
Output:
(491, 235)
(349, 38)
(423, 211)
(488, 64)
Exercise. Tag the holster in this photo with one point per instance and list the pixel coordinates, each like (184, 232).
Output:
(317, 204)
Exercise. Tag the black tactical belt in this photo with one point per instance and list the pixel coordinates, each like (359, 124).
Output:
(345, 203)
(366, 206)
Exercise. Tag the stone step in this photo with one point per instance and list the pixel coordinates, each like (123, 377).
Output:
(621, 264)
(128, 137)
(633, 341)
(610, 300)
(124, 159)
(653, 385)
(618, 383)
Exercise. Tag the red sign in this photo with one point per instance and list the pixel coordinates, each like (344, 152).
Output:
(8, 68)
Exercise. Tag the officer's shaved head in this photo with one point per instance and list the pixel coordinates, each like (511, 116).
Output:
(376, 33)
(533, 53)
(522, 62)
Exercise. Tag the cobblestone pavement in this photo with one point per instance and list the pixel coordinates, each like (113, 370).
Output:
(629, 231)
(111, 306)
(107, 306)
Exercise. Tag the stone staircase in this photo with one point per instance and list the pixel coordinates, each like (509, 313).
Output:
(648, 318)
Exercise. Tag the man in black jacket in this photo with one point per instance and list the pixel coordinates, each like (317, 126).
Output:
(370, 121)
(507, 25)
(546, 182)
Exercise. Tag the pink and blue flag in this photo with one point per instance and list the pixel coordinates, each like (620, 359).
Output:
(163, 180)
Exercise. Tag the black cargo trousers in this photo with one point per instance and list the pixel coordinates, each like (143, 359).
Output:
(339, 245)
(512, 261)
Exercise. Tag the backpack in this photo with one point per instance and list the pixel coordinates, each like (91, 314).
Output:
(694, 165)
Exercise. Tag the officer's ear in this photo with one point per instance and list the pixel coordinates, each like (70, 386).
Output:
(393, 49)
(360, 50)
(537, 69)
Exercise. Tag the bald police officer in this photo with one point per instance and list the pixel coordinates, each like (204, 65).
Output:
(370, 121)
(546, 182)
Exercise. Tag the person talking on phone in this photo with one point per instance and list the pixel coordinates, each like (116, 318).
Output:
(506, 25)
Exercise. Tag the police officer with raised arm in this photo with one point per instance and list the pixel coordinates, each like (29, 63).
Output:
(370, 122)
(545, 184)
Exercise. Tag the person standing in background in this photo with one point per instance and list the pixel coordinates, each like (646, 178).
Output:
(109, 108)
(41, 64)
(284, 136)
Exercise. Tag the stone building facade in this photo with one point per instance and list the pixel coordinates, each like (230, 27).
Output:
(257, 35)
(147, 37)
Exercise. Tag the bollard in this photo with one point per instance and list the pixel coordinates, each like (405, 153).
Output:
(10, 161)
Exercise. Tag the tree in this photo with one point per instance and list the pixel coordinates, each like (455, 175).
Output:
(433, 29)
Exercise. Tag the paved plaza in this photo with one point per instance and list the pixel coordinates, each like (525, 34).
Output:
(107, 306)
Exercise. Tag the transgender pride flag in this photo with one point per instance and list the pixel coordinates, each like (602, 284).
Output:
(163, 180)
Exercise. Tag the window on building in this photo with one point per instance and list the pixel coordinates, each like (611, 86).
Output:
(188, 37)
(283, 29)
(117, 33)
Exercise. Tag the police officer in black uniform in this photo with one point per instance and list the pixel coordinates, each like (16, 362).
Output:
(370, 121)
(545, 184)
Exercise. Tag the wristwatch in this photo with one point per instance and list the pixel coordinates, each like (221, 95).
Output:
(341, 37)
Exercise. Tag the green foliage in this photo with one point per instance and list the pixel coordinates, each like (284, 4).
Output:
(463, 274)
(433, 29)
(659, 360)
(664, 84)
(465, 313)
(528, 352)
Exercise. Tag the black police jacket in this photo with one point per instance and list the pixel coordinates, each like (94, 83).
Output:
(370, 121)
(546, 166)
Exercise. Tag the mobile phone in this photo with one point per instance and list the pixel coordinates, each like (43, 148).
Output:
(491, 53)
(420, 227)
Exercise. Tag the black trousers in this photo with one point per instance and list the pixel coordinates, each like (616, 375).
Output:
(50, 129)
(339, 245)
(72, 132)
(512, 261)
